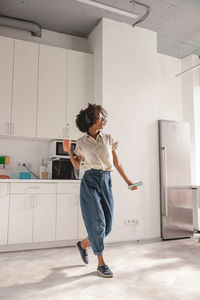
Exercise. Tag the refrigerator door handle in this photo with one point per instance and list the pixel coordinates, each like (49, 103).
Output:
(165, 198)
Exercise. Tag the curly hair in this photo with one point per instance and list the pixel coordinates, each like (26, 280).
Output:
(87, 117)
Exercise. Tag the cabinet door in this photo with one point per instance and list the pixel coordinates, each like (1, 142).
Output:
(20, 218)
(79, 87)
(25, 80)
(4, 206)
(66, 228)
(82, 233)
(44, 223)
(6, 72)
(51, 92)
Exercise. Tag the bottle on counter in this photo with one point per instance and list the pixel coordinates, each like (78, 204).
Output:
(43, 171)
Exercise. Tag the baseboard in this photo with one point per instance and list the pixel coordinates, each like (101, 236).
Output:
(34, 246)
(144, 240)
(58, 244)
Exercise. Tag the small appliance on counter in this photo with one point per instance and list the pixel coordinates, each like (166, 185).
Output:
(62, 169)
(59, 165)
(56, 149)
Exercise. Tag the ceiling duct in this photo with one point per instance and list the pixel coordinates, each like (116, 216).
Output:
(20, 24)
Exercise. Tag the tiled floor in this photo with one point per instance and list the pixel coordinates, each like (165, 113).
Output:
(159, 270)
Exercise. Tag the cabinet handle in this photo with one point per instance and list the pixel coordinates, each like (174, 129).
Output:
(8, 128)
(29, 203)
(35, 202)
(165, 183)
(12, 128)
(65, 132)
(34, 187)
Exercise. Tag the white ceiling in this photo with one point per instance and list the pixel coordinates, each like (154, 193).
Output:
(177, 22)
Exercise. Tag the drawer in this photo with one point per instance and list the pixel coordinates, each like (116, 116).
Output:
(3, 189)
(33, 188)
(68, 188)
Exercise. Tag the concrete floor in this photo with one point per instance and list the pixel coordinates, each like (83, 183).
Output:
(157, 270)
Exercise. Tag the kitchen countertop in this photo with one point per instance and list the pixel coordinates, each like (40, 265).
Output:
(40, 180)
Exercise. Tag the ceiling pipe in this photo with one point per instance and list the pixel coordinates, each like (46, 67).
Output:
(146, 13)
(20, 24)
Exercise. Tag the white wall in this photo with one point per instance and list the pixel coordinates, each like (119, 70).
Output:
(191, 111)
(138, 88)
(48, 38)
(169, 88)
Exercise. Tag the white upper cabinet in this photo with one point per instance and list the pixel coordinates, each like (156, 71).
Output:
(25, 80)
(79, 87)
(6, 73)
(42, 89)
(52, 92)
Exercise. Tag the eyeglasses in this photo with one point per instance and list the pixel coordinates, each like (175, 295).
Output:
(101, 116)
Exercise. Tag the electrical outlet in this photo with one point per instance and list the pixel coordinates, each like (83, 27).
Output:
(131, 221)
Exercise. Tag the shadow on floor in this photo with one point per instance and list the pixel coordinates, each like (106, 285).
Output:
(56, 278)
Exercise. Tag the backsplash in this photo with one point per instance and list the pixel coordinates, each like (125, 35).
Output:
(24, 151)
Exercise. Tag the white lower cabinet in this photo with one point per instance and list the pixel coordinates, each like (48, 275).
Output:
(44, 220)
(21, 218)
(4, 208)
(38, 212)
(32, 216)
(67, 205)
(70, 224)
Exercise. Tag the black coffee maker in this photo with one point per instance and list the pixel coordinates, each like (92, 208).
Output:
(63, 169)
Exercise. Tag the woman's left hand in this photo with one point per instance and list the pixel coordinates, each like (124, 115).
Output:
(133, 188)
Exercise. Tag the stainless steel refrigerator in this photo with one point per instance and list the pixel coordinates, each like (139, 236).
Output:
(175, 180)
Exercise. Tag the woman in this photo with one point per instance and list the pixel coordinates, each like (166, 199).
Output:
(99, 153)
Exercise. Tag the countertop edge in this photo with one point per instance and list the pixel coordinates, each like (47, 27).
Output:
(40, 180)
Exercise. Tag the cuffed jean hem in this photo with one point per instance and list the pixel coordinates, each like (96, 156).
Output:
(98, 253)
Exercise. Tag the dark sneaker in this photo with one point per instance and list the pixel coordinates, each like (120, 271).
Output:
(83, 253)
(104, 271)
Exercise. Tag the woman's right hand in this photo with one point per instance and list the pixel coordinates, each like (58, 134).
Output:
(67, 145)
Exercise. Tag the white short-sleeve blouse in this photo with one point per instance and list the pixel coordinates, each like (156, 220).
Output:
(97, 154)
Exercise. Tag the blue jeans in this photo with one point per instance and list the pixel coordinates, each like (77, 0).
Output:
(96, 201)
